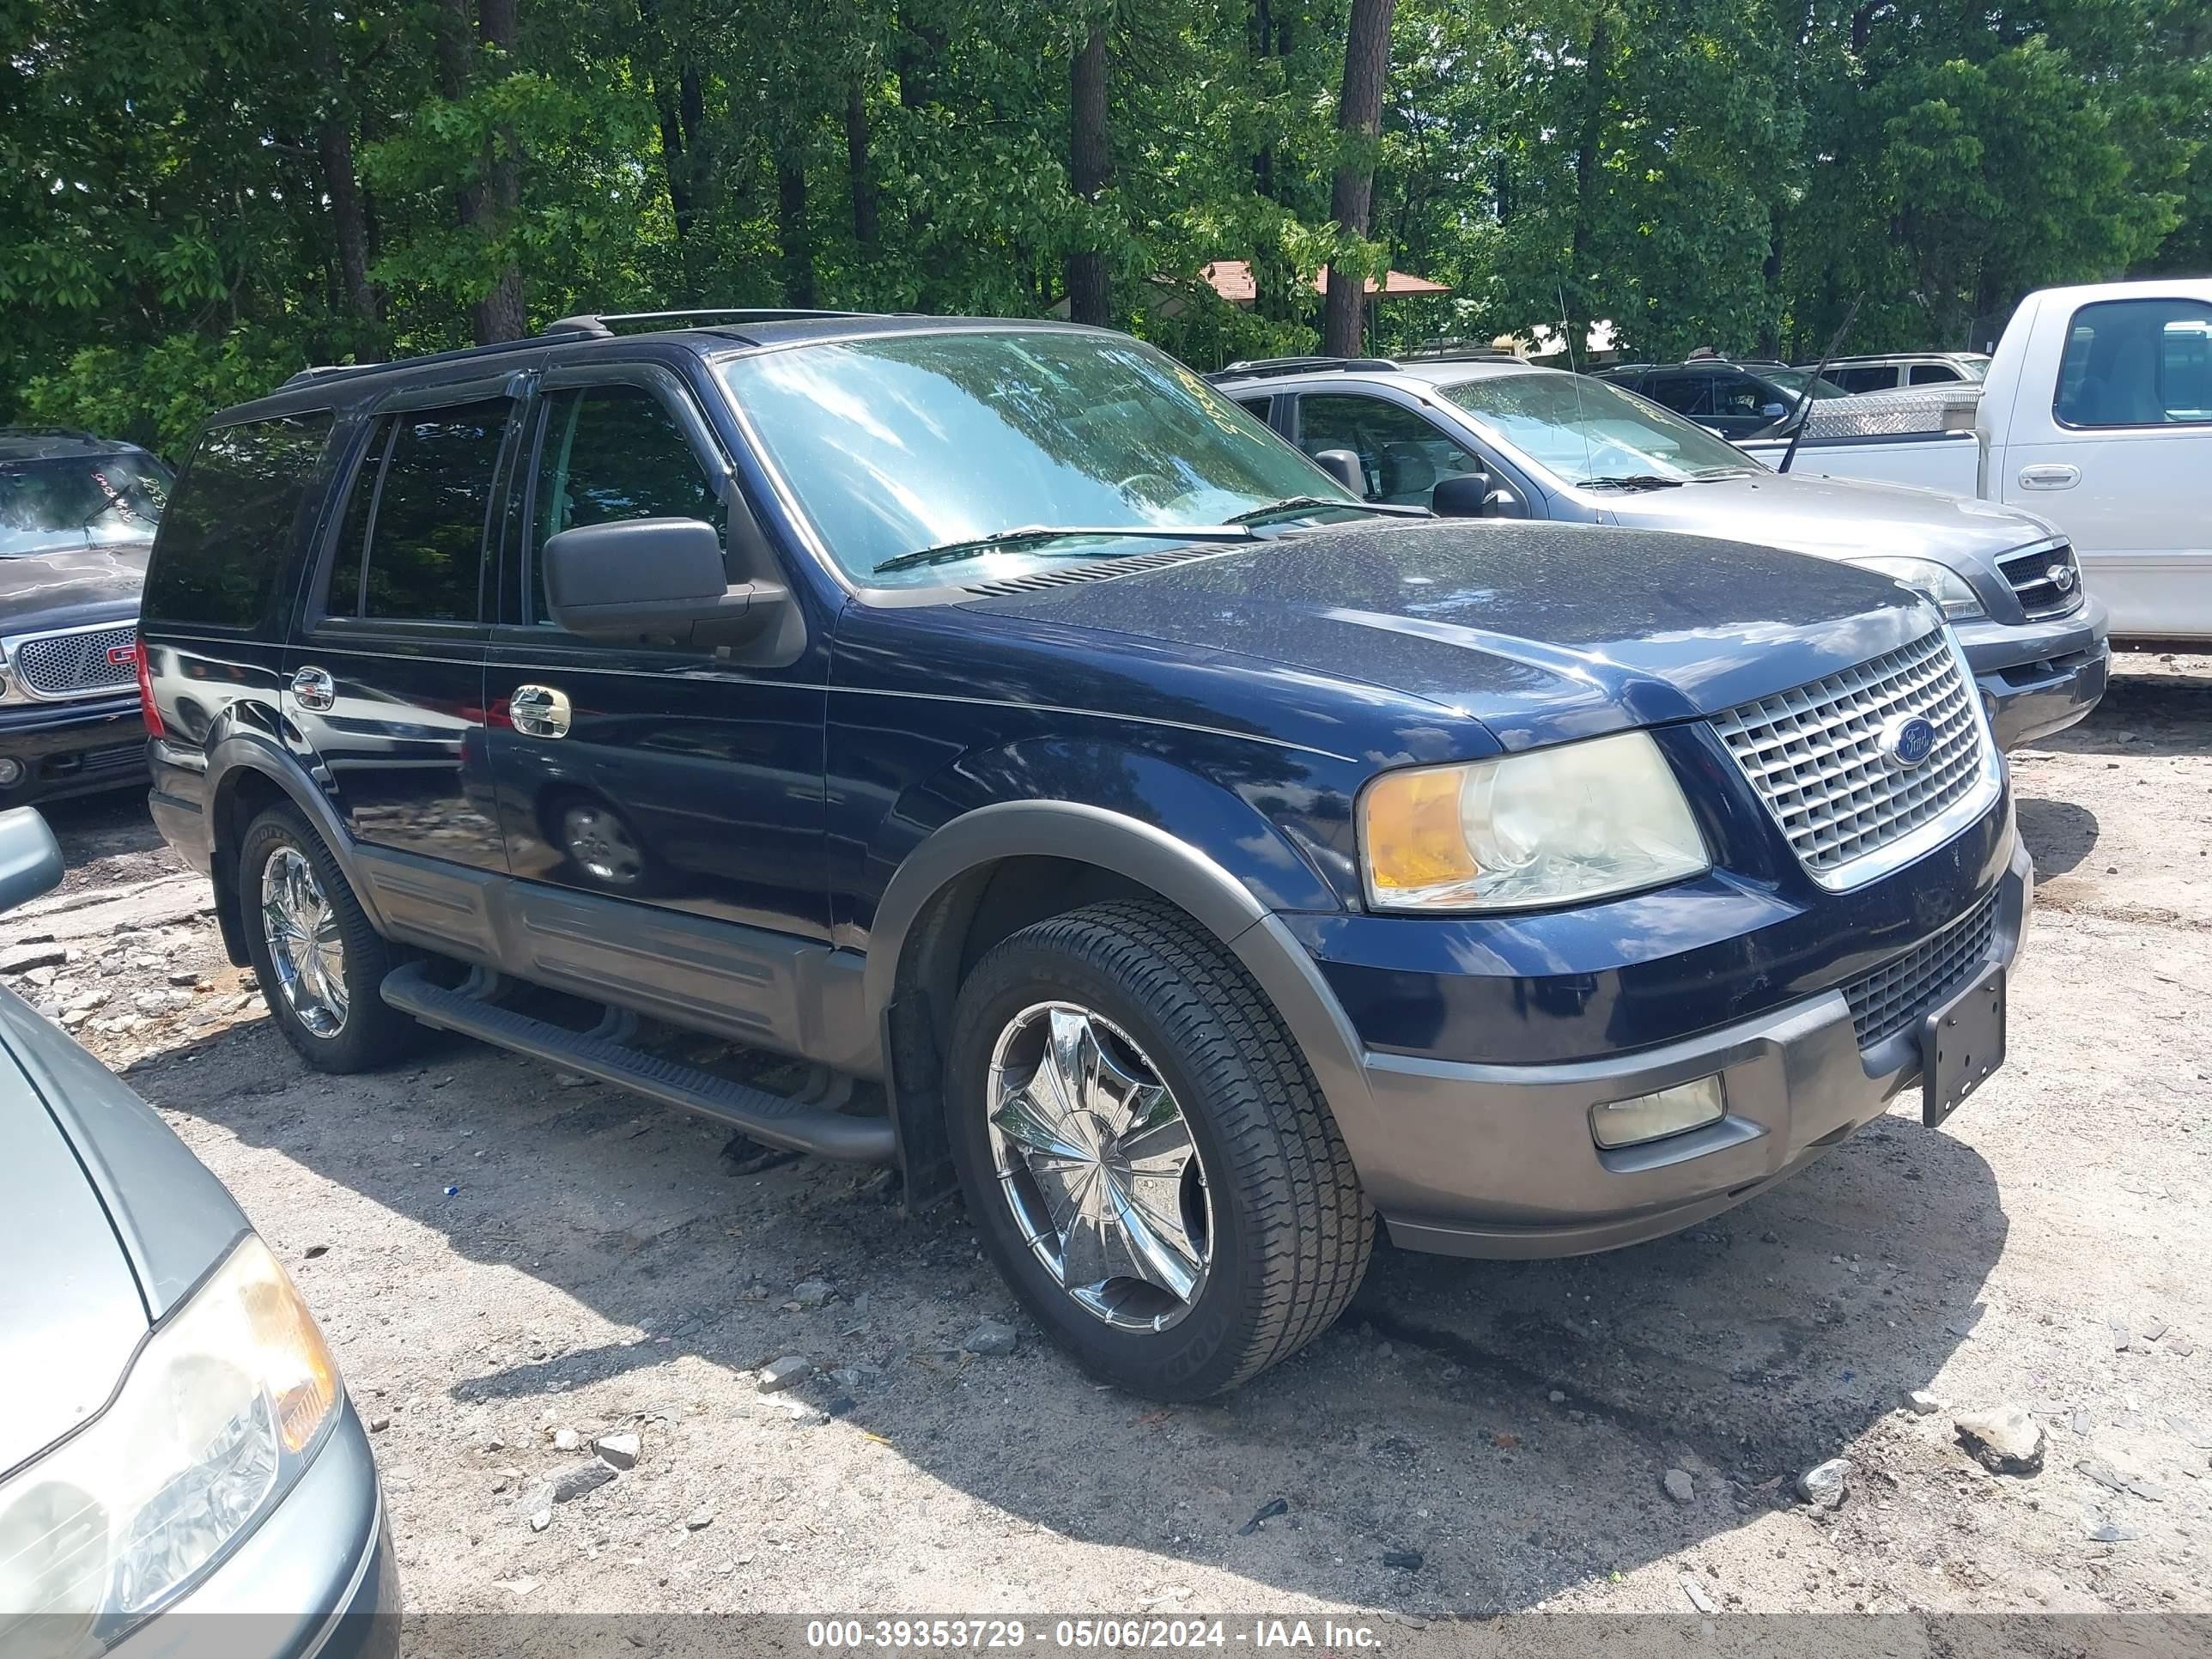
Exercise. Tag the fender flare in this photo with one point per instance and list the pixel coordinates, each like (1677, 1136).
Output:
(243, 750)
(1179, 872)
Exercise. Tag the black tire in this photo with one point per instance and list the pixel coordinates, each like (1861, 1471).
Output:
(1291, 1229)
(373, 1033)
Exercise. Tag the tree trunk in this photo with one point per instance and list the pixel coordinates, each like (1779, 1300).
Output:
(1770, 330)
(866, 225)
(1090, 168)
(795, 233)
(490, 202)
(1587, 142)
(1359, 124)
(348, 218)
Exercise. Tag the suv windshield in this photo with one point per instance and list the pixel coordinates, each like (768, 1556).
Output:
(1585, 430)
(930, 440)
(1797, 380)
(56, 503)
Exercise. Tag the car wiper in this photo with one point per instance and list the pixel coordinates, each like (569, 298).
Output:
(1632, 481)
(1290, 504)
(1039, 534)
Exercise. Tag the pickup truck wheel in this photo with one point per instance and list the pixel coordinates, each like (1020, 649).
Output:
(1146, 1155)
(317, 959)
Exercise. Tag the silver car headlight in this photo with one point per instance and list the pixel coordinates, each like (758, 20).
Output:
(1938, 581)
(1554, 826)
(218, 1415)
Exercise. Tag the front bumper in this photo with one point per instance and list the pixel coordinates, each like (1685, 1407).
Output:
(315, 1578)
(2040, 677)
(1487, 1160)
(72, 748)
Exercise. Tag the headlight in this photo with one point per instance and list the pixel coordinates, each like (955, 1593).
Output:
(1578, 822)
(1938, 581)
(212, 1424)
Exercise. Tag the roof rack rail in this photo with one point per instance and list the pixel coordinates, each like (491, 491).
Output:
(1258, 366)
(591, 325)
(596, 323)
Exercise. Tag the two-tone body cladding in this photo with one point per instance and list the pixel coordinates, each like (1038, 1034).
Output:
(1208, 865)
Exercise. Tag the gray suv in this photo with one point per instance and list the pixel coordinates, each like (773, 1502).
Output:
(1553, 444)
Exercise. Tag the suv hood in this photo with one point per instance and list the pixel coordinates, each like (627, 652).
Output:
(1543, 632)
(70, 1314)
(76, 584)
(1838, 517)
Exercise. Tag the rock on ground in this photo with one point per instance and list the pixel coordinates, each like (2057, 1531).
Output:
(2004, 1440)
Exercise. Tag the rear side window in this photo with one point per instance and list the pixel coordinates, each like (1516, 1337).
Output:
(411, 542)
(1934, 375)
(2137, 363)
(1868, 377)
(227, 534)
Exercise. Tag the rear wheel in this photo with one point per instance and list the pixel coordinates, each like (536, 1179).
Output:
(1145, 1153)
(318, 959)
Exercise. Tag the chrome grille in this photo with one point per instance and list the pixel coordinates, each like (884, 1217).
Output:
(1889, 999)
(64, 665)
(2047, 579)
(1814, 754)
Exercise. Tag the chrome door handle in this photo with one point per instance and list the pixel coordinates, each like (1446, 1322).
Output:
(2050, 475)
(539, 711)
(312, 688)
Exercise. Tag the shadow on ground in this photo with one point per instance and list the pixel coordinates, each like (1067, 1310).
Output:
(2059, 834)
(1509, 1420)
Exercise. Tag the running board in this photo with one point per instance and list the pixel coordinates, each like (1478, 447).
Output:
(766, 1118)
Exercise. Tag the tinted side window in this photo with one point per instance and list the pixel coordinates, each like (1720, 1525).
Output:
(342, 596)
(1876, 377)
(1934, 375)
(2135, 362)
(1256, 408)
(614, 452)
(1402, 454)
(426, 530)
(1685, 394)
(227, 534)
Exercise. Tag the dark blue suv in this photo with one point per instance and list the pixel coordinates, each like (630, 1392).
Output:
(1118, 817)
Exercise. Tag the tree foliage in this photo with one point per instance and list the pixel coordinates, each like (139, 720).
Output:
(195, 203)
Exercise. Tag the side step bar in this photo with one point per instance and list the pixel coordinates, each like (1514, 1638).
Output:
(766, 1118)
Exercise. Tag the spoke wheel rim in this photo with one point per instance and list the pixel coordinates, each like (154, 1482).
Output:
(600, 844)
(306, 946)
(1099, 1166)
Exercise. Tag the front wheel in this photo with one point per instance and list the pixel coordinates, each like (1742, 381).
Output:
(1147, 1156)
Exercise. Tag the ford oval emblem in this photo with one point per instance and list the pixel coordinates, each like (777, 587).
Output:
(1907, 740)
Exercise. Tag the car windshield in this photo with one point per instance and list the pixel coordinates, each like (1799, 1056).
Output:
(1586, 430)
(899, 445)
(1796, 380)
(55, 504)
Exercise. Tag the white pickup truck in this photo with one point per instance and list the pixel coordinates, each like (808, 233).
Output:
(2096, 413)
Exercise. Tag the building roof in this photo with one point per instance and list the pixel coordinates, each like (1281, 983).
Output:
(1232, 280)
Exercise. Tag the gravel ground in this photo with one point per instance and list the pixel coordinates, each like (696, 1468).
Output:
(511, 1263)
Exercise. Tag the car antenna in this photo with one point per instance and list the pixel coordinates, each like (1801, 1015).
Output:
(1567, 339)
(1805, 415)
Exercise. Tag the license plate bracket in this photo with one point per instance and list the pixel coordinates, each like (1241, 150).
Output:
(1961, 1044)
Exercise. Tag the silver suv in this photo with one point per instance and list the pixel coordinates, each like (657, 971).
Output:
(1551, 445)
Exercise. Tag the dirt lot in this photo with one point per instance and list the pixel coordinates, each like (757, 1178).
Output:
(501, 1256)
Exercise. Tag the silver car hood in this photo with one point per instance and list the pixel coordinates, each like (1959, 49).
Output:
(70, 1314)
(1837, 518)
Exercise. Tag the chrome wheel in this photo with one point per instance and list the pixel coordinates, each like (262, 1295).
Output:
(306, 945)
(1096, 1162)
(600, 846)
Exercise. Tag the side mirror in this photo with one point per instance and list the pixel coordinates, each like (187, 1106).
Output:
(1343, 466)
(1464, 496)
(1502, 503)
(640, 577)
(30, 858)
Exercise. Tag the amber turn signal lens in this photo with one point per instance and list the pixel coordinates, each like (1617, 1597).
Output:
(1415, 836)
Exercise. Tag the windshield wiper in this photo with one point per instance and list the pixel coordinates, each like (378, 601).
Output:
(1038, 535)
(1632, 481)
(1302, 503)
